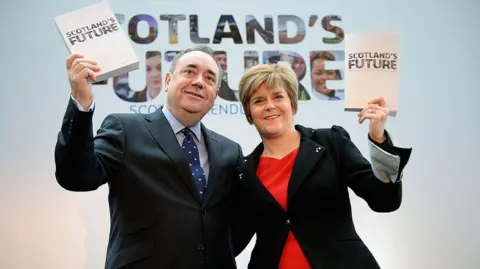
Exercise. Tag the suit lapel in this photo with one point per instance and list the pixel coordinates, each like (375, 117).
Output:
(214, 149)
(308, 156)
(158, 126)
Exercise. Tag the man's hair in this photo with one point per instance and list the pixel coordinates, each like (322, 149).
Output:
(219, 52)
(202, 48)
(151, 54)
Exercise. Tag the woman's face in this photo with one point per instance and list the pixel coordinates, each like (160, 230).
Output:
(320, 76)
(154, 73)
(271, 111)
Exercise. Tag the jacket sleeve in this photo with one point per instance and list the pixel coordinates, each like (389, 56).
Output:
(242, 228)
(84, 162)
(242, 224)
(373, 184)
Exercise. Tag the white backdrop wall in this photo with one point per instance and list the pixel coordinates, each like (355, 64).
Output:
(44, 226)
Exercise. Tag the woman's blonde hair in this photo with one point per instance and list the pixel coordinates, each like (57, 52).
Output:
(271, 75)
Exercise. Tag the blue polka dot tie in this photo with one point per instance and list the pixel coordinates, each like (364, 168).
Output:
(191, 152)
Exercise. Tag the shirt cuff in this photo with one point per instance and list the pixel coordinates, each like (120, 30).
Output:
(90, 109)
(385, 162)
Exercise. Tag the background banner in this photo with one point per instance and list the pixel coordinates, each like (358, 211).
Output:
(45, 226)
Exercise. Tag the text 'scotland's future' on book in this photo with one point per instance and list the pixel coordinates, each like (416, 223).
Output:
(371, 69)
(95, 32)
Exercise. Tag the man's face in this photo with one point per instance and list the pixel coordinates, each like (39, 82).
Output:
(192, 87)
(221, 58)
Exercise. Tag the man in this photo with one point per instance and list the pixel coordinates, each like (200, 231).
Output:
(169, 187)
(225, 92)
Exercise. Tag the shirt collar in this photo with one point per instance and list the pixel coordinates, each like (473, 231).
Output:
(178, 126)
(147, 94)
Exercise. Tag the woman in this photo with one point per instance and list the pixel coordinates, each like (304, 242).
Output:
(293, 192)
(154, 78)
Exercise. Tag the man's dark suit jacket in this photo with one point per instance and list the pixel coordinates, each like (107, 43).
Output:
(318, 209)
(157, 218)
(226, 92)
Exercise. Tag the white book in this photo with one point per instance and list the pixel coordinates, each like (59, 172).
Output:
(95, 32)
(371, 69)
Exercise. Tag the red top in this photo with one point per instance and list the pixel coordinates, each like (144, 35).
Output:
(275, 174)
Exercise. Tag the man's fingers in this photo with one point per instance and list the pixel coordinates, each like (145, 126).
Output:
(92, 75)
(85, 73)
(81, 66)
(71, 58)
(83, 70)
(81, 61)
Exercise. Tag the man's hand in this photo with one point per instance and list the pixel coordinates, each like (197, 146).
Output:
(81, 73)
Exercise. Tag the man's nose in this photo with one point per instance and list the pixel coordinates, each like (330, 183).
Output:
(198, 82)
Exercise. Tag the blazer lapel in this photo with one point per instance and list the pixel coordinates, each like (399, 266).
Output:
(308, 156)
(252, 180)
(214, 149)
(162, 132)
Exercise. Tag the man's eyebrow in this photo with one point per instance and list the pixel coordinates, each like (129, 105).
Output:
(191, 65)
(210, 71)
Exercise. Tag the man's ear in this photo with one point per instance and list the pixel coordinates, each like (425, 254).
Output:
(168, 77)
